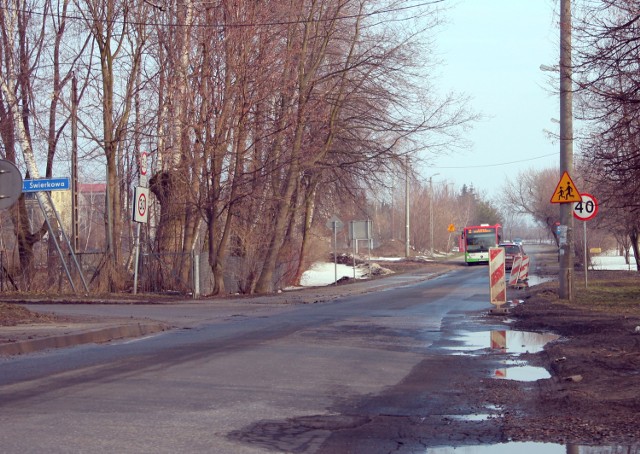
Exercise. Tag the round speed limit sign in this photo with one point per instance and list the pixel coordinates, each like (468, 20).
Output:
(586, 209)
(141, 205)
(144, 160)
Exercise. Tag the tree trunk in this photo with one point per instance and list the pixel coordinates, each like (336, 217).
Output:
(634, 243)
(306, 231)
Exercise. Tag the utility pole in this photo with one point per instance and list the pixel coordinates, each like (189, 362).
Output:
(431, 214)
(431, 211)
(406, 210)
(566, 151)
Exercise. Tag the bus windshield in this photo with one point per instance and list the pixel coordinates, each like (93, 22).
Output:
(480, 242)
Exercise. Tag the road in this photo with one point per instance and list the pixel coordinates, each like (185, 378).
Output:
(372, 373)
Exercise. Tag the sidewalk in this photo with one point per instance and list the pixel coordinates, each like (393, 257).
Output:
(97, 321)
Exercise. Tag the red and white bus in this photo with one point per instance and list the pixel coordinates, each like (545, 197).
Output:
(476, 240)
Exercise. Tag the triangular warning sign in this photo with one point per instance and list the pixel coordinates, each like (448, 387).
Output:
(566, 191)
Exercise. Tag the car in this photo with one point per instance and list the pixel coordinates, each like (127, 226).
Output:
(511, 250)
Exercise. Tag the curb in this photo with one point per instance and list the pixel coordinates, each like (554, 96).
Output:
(86, 337)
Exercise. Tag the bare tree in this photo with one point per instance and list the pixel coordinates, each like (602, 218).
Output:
(118, 31)
(530, 194)
(25, 45)
(606, 73)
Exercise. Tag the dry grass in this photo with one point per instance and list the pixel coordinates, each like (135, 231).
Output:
(13, 314)
(609, 291)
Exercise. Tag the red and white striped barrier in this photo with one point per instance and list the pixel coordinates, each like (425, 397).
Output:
(498, 290)
(515, 271)
(498, 340)
(519, 271)
(500, 373)
(524, 270)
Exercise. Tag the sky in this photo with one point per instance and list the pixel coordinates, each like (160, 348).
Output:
(492, 51)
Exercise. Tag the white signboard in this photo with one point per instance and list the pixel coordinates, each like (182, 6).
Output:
(141, 205)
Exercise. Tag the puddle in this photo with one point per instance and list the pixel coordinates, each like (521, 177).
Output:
(522, 373)
(506, 341)
(478, 417)
(519, 447)
(509, 342)
(536, 280)
(533, 448)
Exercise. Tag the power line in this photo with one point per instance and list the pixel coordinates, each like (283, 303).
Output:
(495, 165)
(231, 24)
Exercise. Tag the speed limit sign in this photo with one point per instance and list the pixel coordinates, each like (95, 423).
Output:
(144, 162)
(585, 209)
(141, 205)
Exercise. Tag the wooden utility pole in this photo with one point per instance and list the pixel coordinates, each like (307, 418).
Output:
(407, 247)
(566, 151)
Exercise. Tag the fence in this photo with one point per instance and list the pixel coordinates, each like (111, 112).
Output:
(186, 274)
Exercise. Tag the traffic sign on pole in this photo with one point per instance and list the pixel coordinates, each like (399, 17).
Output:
(46, 184)
(144, 160)
(586, 208)
(566, 190)
(141, 205)
(10, 184)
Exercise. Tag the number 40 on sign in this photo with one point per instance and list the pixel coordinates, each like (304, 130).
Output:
(585, 209)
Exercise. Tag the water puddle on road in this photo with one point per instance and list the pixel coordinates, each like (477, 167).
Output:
(522, 373)
(534, 448)
(536, 280)
(476, 417)
(508, 342)
(505, 341)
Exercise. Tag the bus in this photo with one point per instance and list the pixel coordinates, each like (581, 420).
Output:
(476, 240)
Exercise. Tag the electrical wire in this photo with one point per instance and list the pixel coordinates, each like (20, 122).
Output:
(231, 24)
(495, 165)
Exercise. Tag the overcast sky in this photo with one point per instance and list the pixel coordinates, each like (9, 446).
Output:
(492, 50)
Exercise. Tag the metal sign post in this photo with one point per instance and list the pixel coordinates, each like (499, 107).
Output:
(140, 211)
(45, 185)
(336, 225)
(359, 230)
(586, 267)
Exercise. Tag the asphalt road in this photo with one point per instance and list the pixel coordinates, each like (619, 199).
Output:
(371, 373)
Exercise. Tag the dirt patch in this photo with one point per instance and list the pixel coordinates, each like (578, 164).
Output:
(594, 393)
(13, 315)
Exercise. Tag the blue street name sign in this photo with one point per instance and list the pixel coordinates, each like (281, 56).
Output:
(45, 184)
